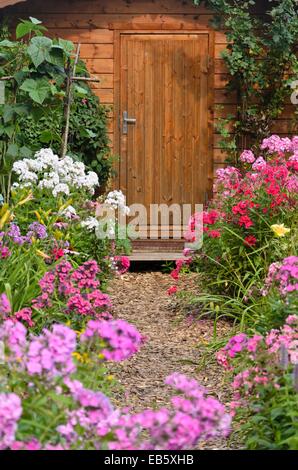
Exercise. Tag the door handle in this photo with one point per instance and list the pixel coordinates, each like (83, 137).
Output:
(127, 120)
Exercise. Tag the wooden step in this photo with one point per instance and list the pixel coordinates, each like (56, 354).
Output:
(157, 250)
(158, 245)
(156, 256)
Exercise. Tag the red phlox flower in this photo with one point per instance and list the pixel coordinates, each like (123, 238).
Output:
(245, 221)
(250, 240)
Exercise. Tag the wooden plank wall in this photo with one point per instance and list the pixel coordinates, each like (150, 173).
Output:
(93, 22)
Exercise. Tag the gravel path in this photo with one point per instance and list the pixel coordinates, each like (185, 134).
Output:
(173, 342)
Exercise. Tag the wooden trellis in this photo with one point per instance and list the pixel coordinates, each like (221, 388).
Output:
(71, 77)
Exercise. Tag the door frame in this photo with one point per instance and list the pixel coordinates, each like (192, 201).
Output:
(117, 88)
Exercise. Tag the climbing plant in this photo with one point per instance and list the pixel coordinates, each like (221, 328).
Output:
(34, 70)
(261, 58)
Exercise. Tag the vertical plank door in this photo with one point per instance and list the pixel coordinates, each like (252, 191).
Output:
(165, 88)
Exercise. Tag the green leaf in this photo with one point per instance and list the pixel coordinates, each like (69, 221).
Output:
(39, 50)
(34, 20)
(67, 46)
(56, 56)
(25, 152)
(38, 89)
(46, 137)
(23, 28)
(27, 27)
(37, 113)
(9, 130)
(7, 43)
(81, 90)
(8, 113)
(12, 150)
(20, 76)
(21, 109)
(90, 133)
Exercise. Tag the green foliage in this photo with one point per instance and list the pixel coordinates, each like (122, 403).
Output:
(261, 59)
(32, 115)
(267, 410)
(88, 139)
(20, 274)
(273, 424)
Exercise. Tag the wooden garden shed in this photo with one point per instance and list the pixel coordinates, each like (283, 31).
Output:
(161, 72)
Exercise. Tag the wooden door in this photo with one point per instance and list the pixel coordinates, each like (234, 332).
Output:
(165, 87)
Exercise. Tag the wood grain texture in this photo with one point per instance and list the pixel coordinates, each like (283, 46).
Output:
(97, 51)
(164, 86)
(123, 21)
(113, 6)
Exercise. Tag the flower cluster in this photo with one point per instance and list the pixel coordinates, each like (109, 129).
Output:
(235, 346)
(268, 355)
(78, 287)
(92, 414)
(5, 307)
(13, 234)
(13, 336)
(117, 201)
(283, 275)
(69, 212)
(179, 265)
(227, 181)
(247, 157)
(107, 215)
(194, 225)
(193, 417)
(287, 337)
(47, 171)
(246, 203)
(4, 250)
(120, 264)
(276, 144)
(24, 314)
(91, 224)
(122, 339)
(50, 354)
(10, 413)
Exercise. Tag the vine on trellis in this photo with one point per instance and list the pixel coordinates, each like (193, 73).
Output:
(261, 58)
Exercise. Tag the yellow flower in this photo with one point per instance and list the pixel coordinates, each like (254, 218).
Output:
(101, 356)
(280, 230)
(110, 378)
(42, 254)
(58, 235)
(83, 358)
(5, 218)
(79, 332)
